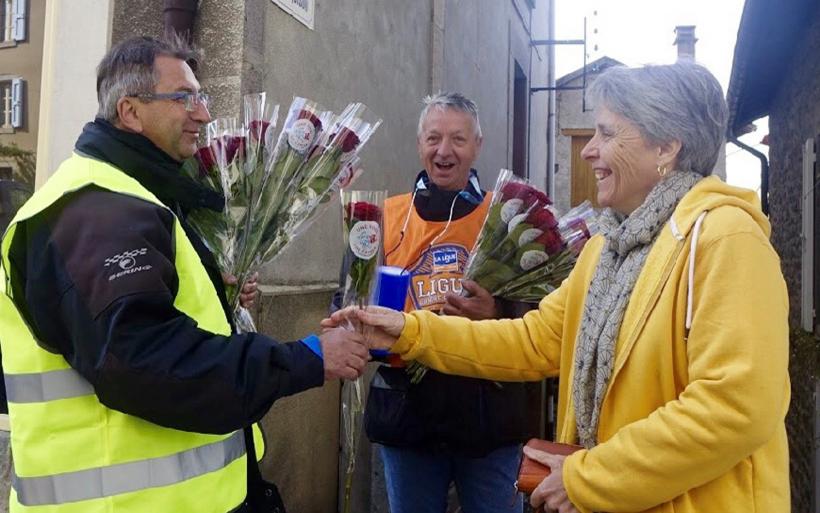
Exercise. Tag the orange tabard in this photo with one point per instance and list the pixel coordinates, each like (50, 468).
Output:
(435, 270)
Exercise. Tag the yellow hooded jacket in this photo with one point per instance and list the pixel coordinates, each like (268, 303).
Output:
(693, 419)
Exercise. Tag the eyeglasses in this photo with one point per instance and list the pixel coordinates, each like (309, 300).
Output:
(189, 100)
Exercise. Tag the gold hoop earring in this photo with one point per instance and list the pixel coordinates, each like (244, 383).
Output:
(662, 170)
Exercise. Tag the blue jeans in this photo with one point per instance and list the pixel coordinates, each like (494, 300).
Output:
(417, 480)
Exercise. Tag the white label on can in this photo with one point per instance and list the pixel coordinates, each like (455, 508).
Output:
(364, 239)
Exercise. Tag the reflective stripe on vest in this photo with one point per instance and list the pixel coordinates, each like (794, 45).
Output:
(96, 483)
(46, 386)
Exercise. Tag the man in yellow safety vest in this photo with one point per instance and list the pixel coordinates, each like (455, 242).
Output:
(127, 390)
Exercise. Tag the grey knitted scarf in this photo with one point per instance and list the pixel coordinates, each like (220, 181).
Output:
(628, 241)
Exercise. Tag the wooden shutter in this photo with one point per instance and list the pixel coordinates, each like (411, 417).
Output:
(17, 103)
(18, 16)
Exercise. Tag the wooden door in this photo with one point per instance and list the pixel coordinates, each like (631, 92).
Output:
(582, 179)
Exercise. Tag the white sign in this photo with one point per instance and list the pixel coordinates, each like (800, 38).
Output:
(302, 10)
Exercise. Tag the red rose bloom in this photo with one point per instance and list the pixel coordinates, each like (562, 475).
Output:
(234, 147)
(306, 114)
(206, 158)
(258, 129)
(542, 219)
(349, 140)
(551, 240)
(530, 195)
(363, 211)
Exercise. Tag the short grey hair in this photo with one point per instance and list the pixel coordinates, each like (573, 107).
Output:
(450, 100)
(128, 69)
(681, 101)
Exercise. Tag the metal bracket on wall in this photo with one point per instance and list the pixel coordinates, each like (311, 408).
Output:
(553, 42)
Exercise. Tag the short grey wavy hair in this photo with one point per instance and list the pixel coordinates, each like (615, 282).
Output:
(681, 101)
(450, 100)
(128, 69)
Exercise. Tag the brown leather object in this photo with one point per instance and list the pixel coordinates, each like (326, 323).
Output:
(531, 473)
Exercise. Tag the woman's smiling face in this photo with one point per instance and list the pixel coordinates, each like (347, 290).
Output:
(625, 164)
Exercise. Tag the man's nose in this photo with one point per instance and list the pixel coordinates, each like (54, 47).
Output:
(445, 147)
(201, 113)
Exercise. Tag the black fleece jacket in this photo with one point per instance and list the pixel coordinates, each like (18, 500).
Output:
(117, 324)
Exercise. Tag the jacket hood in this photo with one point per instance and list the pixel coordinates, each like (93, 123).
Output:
(711, 193)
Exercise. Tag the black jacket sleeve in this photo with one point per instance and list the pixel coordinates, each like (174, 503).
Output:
(100, 283)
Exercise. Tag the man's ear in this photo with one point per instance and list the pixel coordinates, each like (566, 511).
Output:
(479, 140)
(128, 115)
(668, 153)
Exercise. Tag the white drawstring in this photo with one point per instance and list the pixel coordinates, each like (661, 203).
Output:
(449, 220)
(409, 211)
(692, 248)
(407, 220)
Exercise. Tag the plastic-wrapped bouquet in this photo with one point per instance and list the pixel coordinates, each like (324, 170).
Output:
(524, 251)
(362, 220)
(274, 187)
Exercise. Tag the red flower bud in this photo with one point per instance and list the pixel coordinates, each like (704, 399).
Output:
(258, 129)
(551, 240)
(206, 157)
(363, 211)
(542, 219)
(234, 147)
(529, 194)
(347, 139)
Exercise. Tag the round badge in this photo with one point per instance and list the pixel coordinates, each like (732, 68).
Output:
(528, 236)
(364, 239)
(510, 208)
(301, 135)
(532, 258)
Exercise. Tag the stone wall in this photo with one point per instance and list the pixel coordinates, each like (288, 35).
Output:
(794, 118)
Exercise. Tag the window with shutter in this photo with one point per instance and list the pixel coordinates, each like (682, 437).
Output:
(5, 104)
(17, 92)
(19, 22)
(6, 20)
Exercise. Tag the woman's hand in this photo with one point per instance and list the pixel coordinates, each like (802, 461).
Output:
(250, 289)
(551, 492)
(388, 323)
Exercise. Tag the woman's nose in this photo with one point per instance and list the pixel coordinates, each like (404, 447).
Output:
(589, 151)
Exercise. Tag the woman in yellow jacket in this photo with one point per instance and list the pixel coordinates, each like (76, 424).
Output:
(670, 336)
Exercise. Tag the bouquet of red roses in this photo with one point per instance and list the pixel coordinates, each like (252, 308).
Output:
(524, 251)
(274, 187)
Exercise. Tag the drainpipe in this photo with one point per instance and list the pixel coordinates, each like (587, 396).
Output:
(764, 172)
(178, 17)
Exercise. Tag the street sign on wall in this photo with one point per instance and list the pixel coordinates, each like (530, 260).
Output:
(302, 10)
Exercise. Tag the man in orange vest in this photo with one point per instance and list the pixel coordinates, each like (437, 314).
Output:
(445, 429)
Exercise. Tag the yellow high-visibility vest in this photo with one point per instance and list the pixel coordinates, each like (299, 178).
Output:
(71, 453)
